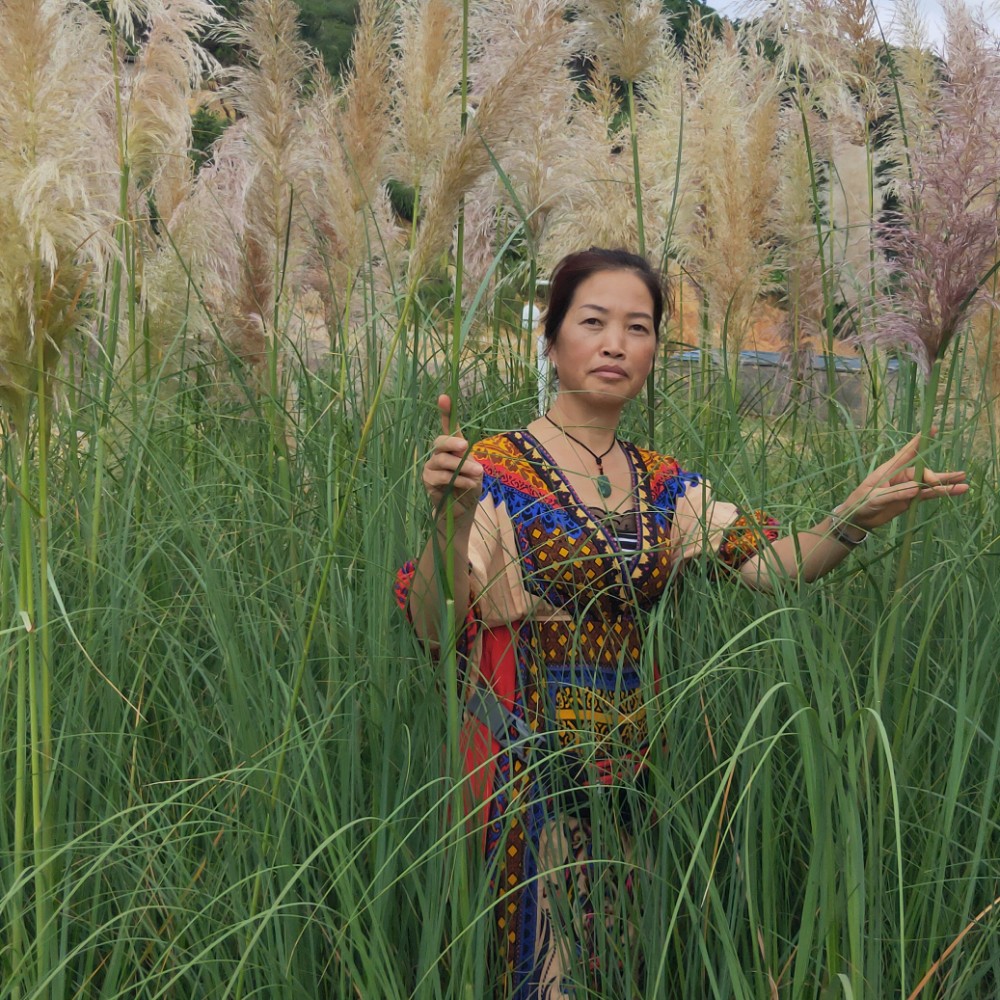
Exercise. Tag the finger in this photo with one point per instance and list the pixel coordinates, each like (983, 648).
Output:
(927, 478)
(466, 484)
(942, 478)
(444, 465)
(455, 461)
(441, 469)
(456, 485)
(450, 445)
(471, 472)
(901, 459)
(444, 405)
(945, 490)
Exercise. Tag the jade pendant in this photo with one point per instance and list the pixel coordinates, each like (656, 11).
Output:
(604, 486)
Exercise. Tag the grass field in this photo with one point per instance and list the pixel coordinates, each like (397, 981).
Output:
(227, 765)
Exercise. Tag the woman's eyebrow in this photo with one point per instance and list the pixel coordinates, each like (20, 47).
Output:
(604, 309)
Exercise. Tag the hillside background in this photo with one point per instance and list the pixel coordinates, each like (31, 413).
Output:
(328, 26)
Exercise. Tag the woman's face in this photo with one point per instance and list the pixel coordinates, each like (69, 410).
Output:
(606, 343)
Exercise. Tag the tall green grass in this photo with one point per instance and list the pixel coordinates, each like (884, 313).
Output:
(249, 794)
(229, 767)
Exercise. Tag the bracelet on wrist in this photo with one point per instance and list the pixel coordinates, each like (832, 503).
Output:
(840, 525)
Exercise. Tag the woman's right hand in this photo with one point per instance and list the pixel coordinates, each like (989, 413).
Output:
(449, 471)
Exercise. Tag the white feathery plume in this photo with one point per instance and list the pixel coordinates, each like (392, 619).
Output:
(356, 243)
(267, 92)
(191, 282)
(662, 125)
(724, 234)
(945, 238)
(334, 197)
(58, 181)
(482, 224)
(493, 131)
(364, 106)
(159, 93)
(794, 225)
(427, 75)
(597, 206)
(854, 199)
(242, 233)
(918, 80)
(356, 239)
(626, 36)
(831, 48)
(535, 183)
(347, 132)
(499, 29)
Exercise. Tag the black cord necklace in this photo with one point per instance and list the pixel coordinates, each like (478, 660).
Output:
(603, 483)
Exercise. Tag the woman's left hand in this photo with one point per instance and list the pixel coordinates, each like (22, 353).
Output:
(889, 490)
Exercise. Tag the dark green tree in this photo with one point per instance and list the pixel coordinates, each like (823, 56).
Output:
(682, 11)
(328, 26)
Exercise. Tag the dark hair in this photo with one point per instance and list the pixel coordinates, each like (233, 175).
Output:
(576, 268)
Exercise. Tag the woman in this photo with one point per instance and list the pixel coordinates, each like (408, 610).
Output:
(563, 535)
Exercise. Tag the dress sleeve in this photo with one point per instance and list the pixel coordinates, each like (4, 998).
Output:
(497, 595)
(704, 524)
(480, 547)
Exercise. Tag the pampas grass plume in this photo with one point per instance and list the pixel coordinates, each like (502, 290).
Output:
(945, 237)
(494, 130)
(170, 67)
(202, 246)
(58, 181)
(535, 181)
(724, 232)
(427, 75)
(367, 98)
(661, 125)
(598, 203)
(268, 93)
(347, 133)
(627, 36)
(794, 225)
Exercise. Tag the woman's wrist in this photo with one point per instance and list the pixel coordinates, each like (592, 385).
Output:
(844, 530)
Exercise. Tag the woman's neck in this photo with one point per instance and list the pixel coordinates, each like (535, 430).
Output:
(596, 428)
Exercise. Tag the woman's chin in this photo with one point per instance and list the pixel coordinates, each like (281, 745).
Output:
(609, 396)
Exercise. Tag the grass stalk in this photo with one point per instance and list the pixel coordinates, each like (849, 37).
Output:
(236, 777)
(889, 650)
(18, 931)
(458, 885)
(640, 228)
(45, 832)
(822, 243)
(38, 759)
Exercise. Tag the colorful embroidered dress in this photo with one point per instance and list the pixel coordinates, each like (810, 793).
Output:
(556, 633)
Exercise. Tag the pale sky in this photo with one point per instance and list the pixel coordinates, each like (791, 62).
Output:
(930, 10)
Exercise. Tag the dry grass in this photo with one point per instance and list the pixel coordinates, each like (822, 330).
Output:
(756, 180)
(725, 226)
(57, 151)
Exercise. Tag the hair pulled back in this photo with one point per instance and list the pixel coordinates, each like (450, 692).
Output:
(576, 268)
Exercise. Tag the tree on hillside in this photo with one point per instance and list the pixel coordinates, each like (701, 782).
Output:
(328, 26)
(682, 11)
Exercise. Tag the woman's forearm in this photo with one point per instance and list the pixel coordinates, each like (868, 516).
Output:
(887, 492)
(807, 554)
(425, 601)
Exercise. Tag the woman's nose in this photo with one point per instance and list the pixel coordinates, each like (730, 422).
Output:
(614, 342)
